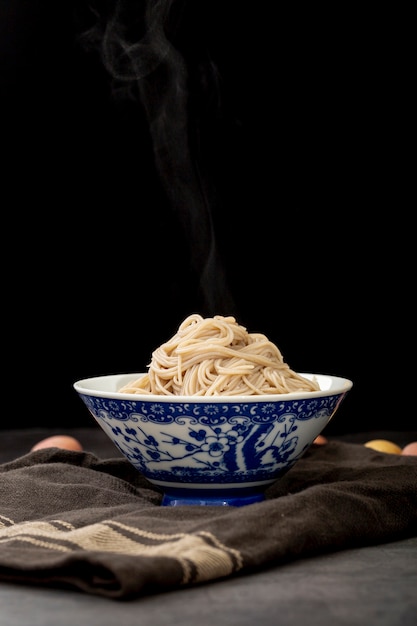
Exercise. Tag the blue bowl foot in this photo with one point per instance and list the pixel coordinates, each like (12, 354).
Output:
(184, 497)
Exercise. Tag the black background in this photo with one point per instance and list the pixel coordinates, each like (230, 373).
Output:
(303, 143)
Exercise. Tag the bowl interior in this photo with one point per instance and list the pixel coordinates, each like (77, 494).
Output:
(108, 386)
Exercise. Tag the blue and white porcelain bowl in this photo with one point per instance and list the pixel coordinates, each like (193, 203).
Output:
(211, 450)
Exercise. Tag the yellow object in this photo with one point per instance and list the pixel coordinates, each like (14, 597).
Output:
(383, 445)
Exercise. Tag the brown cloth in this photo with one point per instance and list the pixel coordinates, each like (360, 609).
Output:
(70, 519)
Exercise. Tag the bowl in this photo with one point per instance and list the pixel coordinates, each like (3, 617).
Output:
(216, 450)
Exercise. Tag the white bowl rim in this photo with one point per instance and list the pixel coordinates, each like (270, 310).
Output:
(106, 387)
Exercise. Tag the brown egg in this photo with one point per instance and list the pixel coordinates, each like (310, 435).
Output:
(320, 440)
(58, 441)
(383, 445)
(410, 449)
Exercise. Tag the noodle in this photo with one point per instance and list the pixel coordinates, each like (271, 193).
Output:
(216, 356)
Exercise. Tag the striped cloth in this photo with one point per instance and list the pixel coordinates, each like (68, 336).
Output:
(71, 519)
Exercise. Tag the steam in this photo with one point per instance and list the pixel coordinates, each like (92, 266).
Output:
(139, 44)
